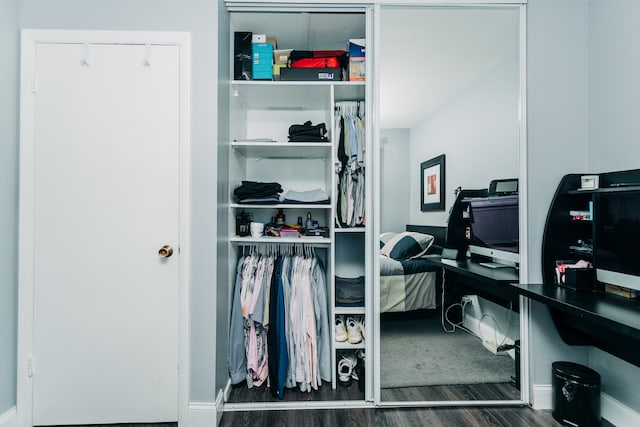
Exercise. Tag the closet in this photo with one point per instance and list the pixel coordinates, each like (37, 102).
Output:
(320, 186)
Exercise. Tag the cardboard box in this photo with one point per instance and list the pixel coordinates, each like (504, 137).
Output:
(262, 61)
(619, 290)
(242, 63)
(281, 56)
(357, 56)
(311, 74)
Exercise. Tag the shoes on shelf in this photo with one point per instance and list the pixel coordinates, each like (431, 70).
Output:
(354, 333)
(352, 360)
(345, 370)
(341, 330)
(360, 322)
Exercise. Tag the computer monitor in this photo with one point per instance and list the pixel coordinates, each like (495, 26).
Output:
(617, 237)
(495, 229)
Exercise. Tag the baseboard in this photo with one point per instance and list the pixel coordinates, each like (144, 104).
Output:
(202, 414)
(9, 418)
(611, 410)
(541, 396)
(618, 413)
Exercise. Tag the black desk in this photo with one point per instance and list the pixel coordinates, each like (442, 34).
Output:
(489, 283)
(609, 322)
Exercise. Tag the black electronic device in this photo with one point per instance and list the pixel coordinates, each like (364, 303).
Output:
(617, 233)
(503, 187)
(495, 228)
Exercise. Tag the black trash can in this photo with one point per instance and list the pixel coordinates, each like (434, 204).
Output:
(576, 394)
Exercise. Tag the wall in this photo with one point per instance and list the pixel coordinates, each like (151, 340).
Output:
(394, 191)
(9, 43)
(614, 132)
(479, 138)
(200, 18)
(556, 145)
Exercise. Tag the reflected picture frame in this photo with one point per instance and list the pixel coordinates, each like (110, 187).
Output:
(432, 184)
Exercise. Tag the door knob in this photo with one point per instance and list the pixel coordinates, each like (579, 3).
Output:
(166, 251)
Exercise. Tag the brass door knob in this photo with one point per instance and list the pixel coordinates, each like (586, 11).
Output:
(166, 251)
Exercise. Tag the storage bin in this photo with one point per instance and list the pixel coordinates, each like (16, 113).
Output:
(576, 394)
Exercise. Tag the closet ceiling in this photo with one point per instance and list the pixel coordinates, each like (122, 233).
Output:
(455, 47)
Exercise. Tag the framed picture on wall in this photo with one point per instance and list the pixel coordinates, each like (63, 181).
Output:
(432, 184)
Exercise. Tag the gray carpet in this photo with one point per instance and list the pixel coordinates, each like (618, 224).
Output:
(418, 352)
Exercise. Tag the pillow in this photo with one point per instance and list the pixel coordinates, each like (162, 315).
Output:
(385, 237)
(407, 245)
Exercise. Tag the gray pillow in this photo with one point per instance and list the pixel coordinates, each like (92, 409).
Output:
(407, 245)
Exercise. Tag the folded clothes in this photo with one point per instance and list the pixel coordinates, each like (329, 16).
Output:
(308, 132)
(349, 290)
(310, 196)
(254, 189)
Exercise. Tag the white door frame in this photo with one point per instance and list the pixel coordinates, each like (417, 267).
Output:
(28, 86)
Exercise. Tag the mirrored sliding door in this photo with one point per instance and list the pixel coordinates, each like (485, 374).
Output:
(448, 123)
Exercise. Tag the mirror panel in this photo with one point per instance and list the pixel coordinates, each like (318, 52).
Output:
(449, 85)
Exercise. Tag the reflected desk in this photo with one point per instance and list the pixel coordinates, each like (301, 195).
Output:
(489, 283)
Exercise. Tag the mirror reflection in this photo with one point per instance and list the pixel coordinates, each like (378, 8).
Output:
(449, 157)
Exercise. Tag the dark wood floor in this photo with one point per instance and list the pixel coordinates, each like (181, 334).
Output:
(445, 417)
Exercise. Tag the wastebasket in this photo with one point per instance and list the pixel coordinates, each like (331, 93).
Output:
(576, 394)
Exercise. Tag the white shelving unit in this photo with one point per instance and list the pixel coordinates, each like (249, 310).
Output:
(261, 113)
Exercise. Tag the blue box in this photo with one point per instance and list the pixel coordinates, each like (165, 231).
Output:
(262, 61)
(357, 56)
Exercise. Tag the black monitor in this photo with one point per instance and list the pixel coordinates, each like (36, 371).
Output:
(617, 237)
(495, 228)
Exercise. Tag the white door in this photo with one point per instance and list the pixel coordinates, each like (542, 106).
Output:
(106, 200)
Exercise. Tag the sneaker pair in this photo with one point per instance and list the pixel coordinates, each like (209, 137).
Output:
(349, 329)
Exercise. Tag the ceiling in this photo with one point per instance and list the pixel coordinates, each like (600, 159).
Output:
(428, 55)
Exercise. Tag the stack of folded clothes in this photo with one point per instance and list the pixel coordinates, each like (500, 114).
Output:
(308, 132)
(316, 196)
(258, 192)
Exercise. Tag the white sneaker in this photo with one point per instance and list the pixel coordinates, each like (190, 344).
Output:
(360, 322)
(341, 330)
(354, 335)
(352, 359)
(344, 372)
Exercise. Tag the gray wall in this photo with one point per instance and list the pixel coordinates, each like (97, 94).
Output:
(394, 188)
(477, 130)
(200, 18)
(582, 117)
(556, 145)
(614, 135)
(9, 37)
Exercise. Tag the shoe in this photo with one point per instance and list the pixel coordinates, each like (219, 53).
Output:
(341, 330)
(354, 336)
(344, 372)
(360, 322)
(353, 362)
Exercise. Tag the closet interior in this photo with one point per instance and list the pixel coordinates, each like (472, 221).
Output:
(297, 219)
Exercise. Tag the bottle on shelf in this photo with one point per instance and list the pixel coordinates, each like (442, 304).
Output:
(309, 223)
(280, 217)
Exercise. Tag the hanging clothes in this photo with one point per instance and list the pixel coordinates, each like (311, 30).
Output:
(279, 333)
(350, 166)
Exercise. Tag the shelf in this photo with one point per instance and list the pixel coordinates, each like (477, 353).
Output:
(248, 206)
(283, 150)
(346, 346)
(317, 241)
(349, 310)
(350, 230)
